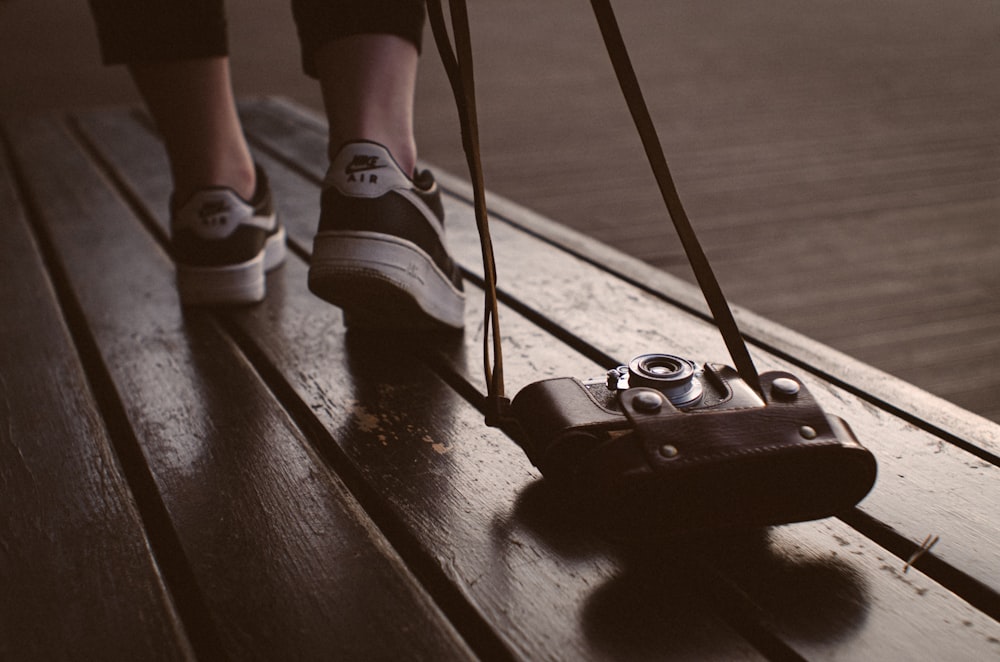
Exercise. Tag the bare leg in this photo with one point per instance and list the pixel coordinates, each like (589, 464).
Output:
(368, 83)
(192, 104)
(222, 247)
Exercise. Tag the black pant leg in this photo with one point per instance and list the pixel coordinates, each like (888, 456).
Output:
(320, 21)
(151, 30)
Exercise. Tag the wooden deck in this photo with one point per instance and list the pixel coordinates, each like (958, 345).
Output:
(259, 484)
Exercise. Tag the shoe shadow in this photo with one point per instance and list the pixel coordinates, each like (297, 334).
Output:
(401, 415)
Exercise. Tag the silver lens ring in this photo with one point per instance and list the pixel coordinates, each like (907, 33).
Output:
(671, 375)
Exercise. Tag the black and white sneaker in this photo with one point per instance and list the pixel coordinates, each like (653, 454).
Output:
(379, 252)
(223, 244)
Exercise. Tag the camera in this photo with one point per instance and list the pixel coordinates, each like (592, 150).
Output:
(665, 444)
(680, 381)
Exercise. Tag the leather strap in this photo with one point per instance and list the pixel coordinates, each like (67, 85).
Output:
(458, 65)
(654, 152)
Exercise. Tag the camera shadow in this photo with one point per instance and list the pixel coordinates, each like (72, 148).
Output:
(676, 592)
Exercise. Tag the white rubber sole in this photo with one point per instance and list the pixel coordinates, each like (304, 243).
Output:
(383, 281)
(232, 284)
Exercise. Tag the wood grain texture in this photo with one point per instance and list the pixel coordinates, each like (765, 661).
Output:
(393, 418)
(287, 565)
(541, 271)
(448, 481)
(924, 461)
(531, 272)
(78, 579)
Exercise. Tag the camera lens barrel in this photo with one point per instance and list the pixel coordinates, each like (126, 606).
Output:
(671, 375)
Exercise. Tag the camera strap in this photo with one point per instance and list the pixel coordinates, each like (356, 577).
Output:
(709, 284)
(459, 68)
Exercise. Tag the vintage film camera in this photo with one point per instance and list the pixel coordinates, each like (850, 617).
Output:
(665, 445)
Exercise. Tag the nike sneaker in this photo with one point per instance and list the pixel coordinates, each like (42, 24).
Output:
(223, 244)
(379, 252)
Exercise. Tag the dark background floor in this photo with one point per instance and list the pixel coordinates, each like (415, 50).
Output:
(841, 160)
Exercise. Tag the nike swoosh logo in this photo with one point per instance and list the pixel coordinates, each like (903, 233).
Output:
(351, 169)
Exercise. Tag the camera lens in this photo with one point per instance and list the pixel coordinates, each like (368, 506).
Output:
(671, 375)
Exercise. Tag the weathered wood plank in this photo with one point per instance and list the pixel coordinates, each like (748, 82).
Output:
(300, 158)
(605, 334)
(454, 486)
(288, 565)
(77, 574)
(424, 454)
(296, 322)
(914, 464)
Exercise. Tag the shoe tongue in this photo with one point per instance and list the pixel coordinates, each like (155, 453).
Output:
(365, 169)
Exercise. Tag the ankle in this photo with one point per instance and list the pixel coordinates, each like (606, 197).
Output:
(240, 177)
(368, 83)
(405, 154)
